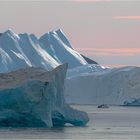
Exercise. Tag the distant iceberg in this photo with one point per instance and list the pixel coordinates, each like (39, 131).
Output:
(132, 102)
(32, 97)
(102, 86)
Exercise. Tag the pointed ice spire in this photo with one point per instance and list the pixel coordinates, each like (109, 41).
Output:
(63, 37)
(60, 34)
(10, 33)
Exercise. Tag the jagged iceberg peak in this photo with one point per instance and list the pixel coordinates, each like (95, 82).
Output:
(63, 36)
(58, 46)
(26, 50)
(60, 34)
(23, 50)
(10, 33)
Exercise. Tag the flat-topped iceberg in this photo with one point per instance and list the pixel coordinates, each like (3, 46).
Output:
(103, 86)
(33, 97)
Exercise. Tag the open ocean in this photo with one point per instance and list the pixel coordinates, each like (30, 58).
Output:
(114, 123)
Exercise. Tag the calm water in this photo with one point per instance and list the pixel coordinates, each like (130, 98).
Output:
(105, 124)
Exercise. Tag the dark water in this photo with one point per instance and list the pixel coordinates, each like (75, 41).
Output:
(115, 123)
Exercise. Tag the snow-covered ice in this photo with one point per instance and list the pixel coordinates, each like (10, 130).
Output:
(85, 70)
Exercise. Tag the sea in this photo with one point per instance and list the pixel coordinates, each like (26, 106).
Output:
(113, 123)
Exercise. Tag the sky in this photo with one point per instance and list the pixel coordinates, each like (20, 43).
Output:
(107, 31)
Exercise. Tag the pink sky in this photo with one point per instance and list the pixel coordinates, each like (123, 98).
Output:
(107, 31)
(127, 17)
(110, 51)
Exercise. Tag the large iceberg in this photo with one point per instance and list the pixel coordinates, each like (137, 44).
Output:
(32, 97)
(103, 86)
(26, 50)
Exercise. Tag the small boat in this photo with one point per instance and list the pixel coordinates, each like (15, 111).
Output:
(103, 106)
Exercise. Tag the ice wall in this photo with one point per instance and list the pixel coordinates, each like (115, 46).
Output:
(33, 97)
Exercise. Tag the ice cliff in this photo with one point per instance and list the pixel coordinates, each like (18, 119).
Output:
(104, 86)
(32, 97)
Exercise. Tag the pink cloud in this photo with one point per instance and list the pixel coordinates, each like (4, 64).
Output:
(116, 65)
(92, 0)
(110, 51)
(127, 17)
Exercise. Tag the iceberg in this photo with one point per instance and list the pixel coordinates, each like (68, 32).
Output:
(56, 44)
(132, 102)
(103, 86)
(22, 51)
(26, 50)
(33, 97)
(86, 82)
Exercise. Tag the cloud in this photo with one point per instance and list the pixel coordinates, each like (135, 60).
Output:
(117, 65)
(126, 17)
(92, 0)
(110, 51)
